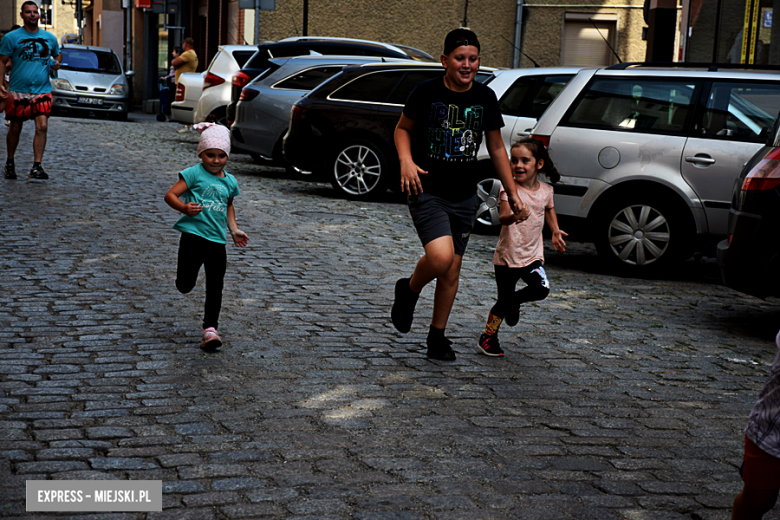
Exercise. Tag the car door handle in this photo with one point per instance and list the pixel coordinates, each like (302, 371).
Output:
(702, 159)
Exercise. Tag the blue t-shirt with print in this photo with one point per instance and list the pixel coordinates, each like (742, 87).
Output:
(212, 193)
(30, 54)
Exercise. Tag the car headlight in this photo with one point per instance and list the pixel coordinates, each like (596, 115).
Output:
(117, 90)
(62, 84)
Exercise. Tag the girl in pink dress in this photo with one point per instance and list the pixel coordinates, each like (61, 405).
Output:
(519, 253)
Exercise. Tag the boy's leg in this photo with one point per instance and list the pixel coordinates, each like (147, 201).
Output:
(437, 261)
(753, 504)
(39, 140)
(189, 261)
(12, 138)
(215, 264)
(446, 290)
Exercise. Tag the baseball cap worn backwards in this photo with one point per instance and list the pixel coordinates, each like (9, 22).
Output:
(458, 37)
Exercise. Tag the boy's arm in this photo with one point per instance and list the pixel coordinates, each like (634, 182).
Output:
(495, 147)
(410, 172)
(191, 209)
(239, 237)
(557, 234)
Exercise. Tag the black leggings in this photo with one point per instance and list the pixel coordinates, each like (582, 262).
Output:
(537, 287)
(195, 251)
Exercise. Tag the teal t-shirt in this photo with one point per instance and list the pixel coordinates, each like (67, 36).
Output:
(212, 193)
(30, 54)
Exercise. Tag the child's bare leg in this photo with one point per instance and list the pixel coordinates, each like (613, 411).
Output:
(446, 290)
(753, 504)
(437, 261)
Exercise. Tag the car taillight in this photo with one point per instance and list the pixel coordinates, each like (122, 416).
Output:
(248, 94)
(298, 113)
(212, 80)
(240, 79)
(765, 175)
(179, 92)
(545, 139)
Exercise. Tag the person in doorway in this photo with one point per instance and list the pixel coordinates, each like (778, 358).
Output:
(28, 95)
(186, 62)
(437, 137)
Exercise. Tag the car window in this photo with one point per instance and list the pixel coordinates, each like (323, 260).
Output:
(372, 87)
(741, 111)
(549, 89)
(407, 84)
(213, 60)
(511, 103)
(83, 60)
(308, 79)
(635, 104)
(242, 57)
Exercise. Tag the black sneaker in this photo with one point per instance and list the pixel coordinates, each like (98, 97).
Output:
(402, 313)
(512, 318)
(37, 173)
(489, 346)
(10, 171)
(439, 348)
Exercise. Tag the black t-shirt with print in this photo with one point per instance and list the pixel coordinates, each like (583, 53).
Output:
(447, 134)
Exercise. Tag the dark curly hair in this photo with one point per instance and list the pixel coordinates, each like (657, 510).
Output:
(539, 152)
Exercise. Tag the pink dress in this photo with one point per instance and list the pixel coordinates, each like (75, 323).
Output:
(520, 244)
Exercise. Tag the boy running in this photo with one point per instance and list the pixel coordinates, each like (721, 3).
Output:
(437, 138)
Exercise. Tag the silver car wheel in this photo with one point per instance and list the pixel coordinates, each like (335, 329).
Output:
(487, 192)
(639, 235)
(357, 170)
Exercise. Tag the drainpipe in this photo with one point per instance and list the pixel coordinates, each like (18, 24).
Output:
(518, 34)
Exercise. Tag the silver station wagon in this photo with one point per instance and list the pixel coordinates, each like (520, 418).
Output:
(648, 156)
(91, 81)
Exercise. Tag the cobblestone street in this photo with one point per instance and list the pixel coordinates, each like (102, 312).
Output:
(618, 398)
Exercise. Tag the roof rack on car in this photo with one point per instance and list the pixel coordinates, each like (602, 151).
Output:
(711, 67)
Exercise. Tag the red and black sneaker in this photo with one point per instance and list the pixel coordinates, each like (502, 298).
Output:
(489, 346)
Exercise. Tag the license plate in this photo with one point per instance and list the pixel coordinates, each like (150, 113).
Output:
(90, 101)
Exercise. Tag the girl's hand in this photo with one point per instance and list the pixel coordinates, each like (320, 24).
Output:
(523, 213)
(557, 240)
(239, 238)
(191, 209)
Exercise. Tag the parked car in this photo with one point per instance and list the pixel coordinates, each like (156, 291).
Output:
(749, 259)
(365, 103)
(205, 95)
(91, 81)
(648, 155)
(342, 131)
(263, 111)
(184, 108)
(215, 97)
(313, 45)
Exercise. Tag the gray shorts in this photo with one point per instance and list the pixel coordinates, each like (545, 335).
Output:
(434, 218)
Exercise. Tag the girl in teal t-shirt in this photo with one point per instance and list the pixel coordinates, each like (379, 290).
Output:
(208, 215)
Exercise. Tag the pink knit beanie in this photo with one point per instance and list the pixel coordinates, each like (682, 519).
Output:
(213, 135)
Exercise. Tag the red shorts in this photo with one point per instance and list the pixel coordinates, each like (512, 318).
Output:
(760, 470)
(21, 107)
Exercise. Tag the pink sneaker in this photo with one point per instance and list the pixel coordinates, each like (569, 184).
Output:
(210, 339)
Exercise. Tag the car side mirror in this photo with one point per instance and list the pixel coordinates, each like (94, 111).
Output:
(130, 73)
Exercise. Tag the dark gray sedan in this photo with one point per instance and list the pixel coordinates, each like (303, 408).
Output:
(263, 112)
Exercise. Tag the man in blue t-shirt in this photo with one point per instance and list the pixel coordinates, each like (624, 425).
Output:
(31, 49)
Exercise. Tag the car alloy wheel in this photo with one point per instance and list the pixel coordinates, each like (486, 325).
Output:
(487, 193)
(358, 170)
(639, 235)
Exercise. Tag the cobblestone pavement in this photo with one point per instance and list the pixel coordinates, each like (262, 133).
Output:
(617, 398)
